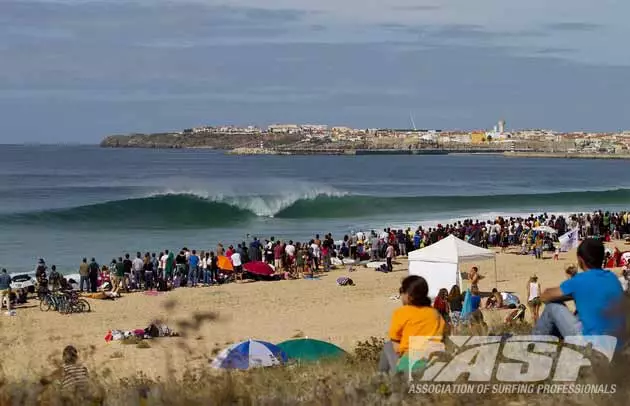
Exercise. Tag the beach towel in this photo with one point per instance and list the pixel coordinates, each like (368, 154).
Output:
(467, 306)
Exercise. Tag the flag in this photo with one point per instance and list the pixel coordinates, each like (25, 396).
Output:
(569, 240)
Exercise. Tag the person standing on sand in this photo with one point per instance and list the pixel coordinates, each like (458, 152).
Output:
(597, 294)
(456, 304)
(214, 268)
(137, 266)
(148, 271)
(84, 272)
(193, 271)
(277, 256)
(93, 275)
(389, 254)
(326, 249)
(533, 297)
(121, 283)
(538, 245)
(155, 265)
(169, 265)
(374, 247)
(127, 266)
(473, 277)
(238, 265)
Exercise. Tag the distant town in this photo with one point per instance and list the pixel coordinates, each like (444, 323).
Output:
(321, 138)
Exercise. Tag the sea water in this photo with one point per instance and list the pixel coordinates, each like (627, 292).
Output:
(63, 203)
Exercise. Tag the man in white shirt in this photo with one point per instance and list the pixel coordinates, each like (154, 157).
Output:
(137, 265)
(384, 236)
(237, 264)
(162, 266)
(316, 255)
(290, 249)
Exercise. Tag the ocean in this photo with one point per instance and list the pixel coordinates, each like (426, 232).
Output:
(63, 203)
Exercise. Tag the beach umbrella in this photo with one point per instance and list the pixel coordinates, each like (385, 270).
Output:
(259, 268)
(249, 354)
(546, 230)
(224, 263)
(308, 350)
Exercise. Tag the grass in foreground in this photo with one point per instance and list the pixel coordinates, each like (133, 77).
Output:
(352, 381)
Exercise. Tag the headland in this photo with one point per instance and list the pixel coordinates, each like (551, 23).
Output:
(293, 139)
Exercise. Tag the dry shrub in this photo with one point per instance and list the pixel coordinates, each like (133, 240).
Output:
(369, 350)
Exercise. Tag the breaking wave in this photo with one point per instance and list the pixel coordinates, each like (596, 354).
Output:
(194, 210)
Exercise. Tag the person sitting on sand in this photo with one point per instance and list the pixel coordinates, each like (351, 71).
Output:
(495, 301)
(74, 375)
(597, 294)
(415, 318)
(441, 304)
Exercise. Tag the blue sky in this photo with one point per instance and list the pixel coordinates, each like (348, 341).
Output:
(77, 70)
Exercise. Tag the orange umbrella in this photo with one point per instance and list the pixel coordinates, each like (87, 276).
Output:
(224, 263)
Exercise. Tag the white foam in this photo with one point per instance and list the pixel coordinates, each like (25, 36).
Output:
(260, 204)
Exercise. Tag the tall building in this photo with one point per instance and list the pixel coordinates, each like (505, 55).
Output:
(501, 126)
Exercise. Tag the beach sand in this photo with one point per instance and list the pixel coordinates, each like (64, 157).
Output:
(271, 311)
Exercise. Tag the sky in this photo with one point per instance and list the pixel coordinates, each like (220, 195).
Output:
(75, 71)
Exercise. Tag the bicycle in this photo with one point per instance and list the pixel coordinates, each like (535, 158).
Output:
(64, 302)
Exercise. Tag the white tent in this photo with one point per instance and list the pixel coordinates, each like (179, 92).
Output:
(439, 263)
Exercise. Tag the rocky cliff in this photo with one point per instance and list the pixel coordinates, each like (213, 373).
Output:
(176, 140)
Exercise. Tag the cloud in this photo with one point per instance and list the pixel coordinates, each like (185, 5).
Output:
(425, 7)
(572, 26)
(90, 68)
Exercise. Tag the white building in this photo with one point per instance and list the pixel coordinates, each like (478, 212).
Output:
(284, 128)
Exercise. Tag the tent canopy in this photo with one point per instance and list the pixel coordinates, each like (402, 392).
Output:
(439, 263)
(451, 250)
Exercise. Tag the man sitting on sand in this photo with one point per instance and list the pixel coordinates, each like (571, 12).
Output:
(597, 294)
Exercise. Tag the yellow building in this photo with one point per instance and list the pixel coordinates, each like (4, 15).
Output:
(477, 137)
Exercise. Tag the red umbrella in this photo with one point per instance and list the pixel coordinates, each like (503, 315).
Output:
(259, 268)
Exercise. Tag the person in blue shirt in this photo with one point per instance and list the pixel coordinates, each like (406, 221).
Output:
(475, 298)
(597, 294)
(416, 240)
(193, 269)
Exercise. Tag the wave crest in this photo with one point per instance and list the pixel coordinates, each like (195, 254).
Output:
(195, 210)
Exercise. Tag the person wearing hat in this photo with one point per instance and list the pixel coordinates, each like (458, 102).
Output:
(5, 289)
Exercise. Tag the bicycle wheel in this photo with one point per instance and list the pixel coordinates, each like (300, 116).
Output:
(83, 306)
(63, 306)
(45, 304)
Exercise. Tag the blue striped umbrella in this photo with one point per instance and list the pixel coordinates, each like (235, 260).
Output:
(249, 354)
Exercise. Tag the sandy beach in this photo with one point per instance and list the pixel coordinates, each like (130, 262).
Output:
(273, 311)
